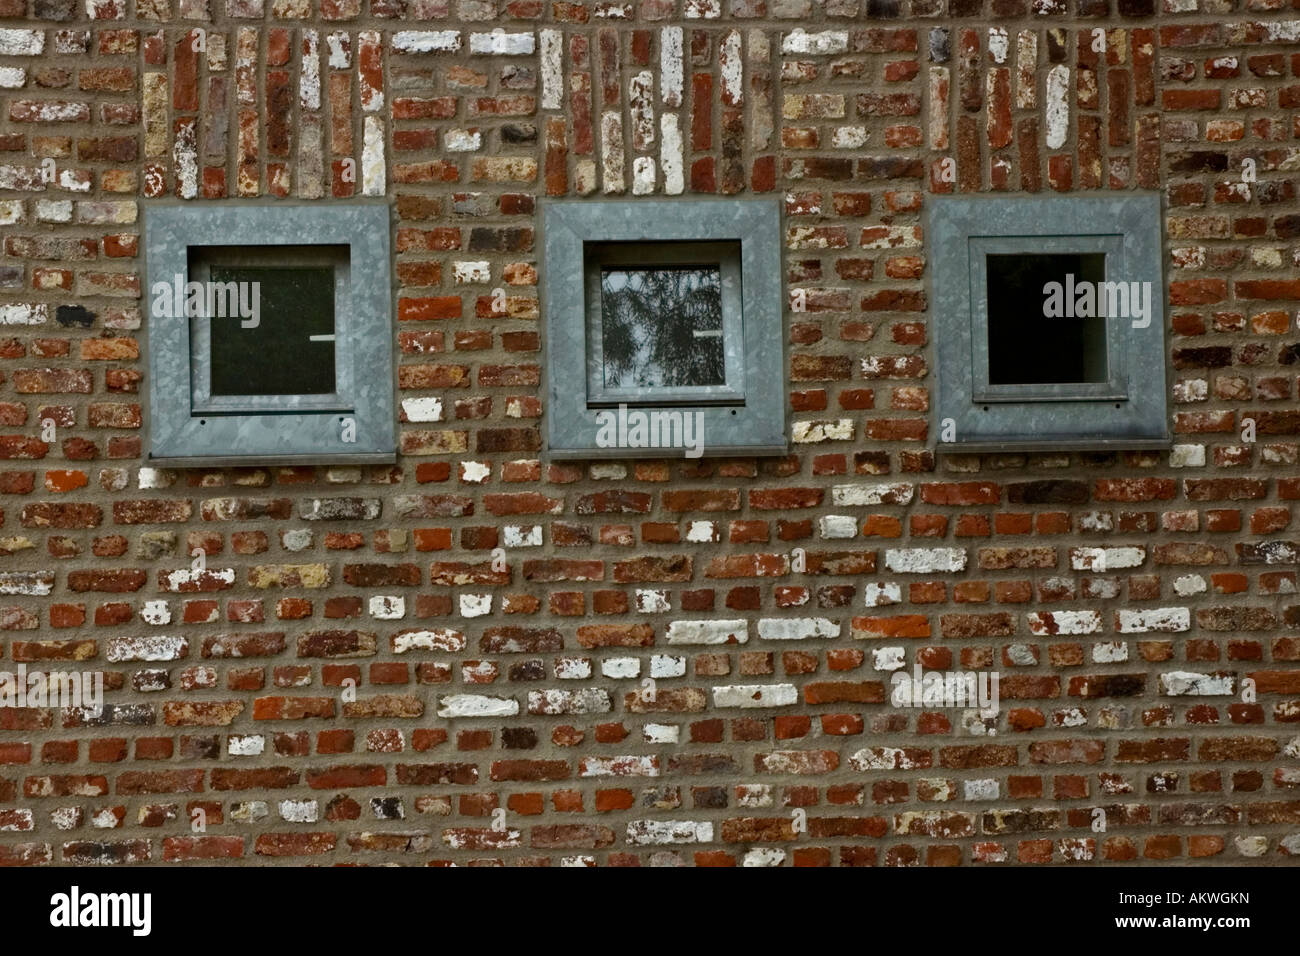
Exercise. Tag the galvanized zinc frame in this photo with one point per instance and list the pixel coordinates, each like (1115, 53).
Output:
(758, 427)
(181, 436)
(1130, 411)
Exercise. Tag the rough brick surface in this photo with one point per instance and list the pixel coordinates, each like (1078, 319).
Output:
(479, 655)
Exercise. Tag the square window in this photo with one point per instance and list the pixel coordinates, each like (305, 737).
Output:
(265, 352)
(1049, 322)
(659, 318)
(663, 310)
(1024, 350)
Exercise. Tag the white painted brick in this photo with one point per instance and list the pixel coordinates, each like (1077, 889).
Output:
(661, 733)
(552, 60)
(670, 154)
(888, 658)
(755, 695)
(1188, 584)
(1022, 655)
(500, 43)
(701, 532)
(1110, 652)
(245, 745)
(22, 42)
(589, 700)
(152, 648)
(339, 45)
(670, 66)
(182, 577)
(1166, 619)
(388, 607)
(426, 41)
(157, 613)
(573, 668)
(522, 536)
(667, 665)
(864, 495)
(763, 856)
(477, 705)
(797, 628)
(620, 668)
(297, 539)
(422, 409)
(147, 478)
(1064, 622)
(373, 174)
(708, 632)
(643, 176)
(652, 601)
(837, 526)
(731, 67)
(925, 560)
(1187, 456)
(1192, 684)
(849, 137)
(1107, 559)
(668, 832)
(623, 765)
(881, 758)
(23, 313)
(54, 210)
(999, 44)
(475, 605)
(463, 141)
(428, 639)
(840, 429)
(1058, 106)
(896, 237)
(882, 594)
(1071, 717)
(299, 811)
(825, 43)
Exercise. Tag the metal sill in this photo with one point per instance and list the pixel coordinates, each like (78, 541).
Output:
(1066, 445)
(238, 461)
(645, 454)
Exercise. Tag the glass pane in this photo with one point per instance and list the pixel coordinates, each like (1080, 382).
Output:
(290, 351)
(1047, 320)
(662, 326)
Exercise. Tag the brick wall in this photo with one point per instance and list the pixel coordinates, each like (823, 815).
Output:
(1123, 598)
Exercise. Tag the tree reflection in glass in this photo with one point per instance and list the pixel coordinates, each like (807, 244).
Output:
(662, 326)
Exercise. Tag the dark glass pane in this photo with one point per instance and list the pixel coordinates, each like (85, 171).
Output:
(277, 356)
(662, 326)
(1043, 334)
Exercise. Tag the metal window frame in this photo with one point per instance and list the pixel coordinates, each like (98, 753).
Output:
(201, 397)
(289, 429)
(755, 427)
(1130, 410)
(652, 254)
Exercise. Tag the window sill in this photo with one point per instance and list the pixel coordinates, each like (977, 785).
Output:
(644, 454)
(1064, 445)
(240, 461)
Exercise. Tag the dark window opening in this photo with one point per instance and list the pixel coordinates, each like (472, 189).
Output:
(290, 350)
(662, 326)
(1040, 334)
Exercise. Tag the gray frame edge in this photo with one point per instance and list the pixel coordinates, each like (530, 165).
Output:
(1137, 217)
(760, 427)
(365, 226)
